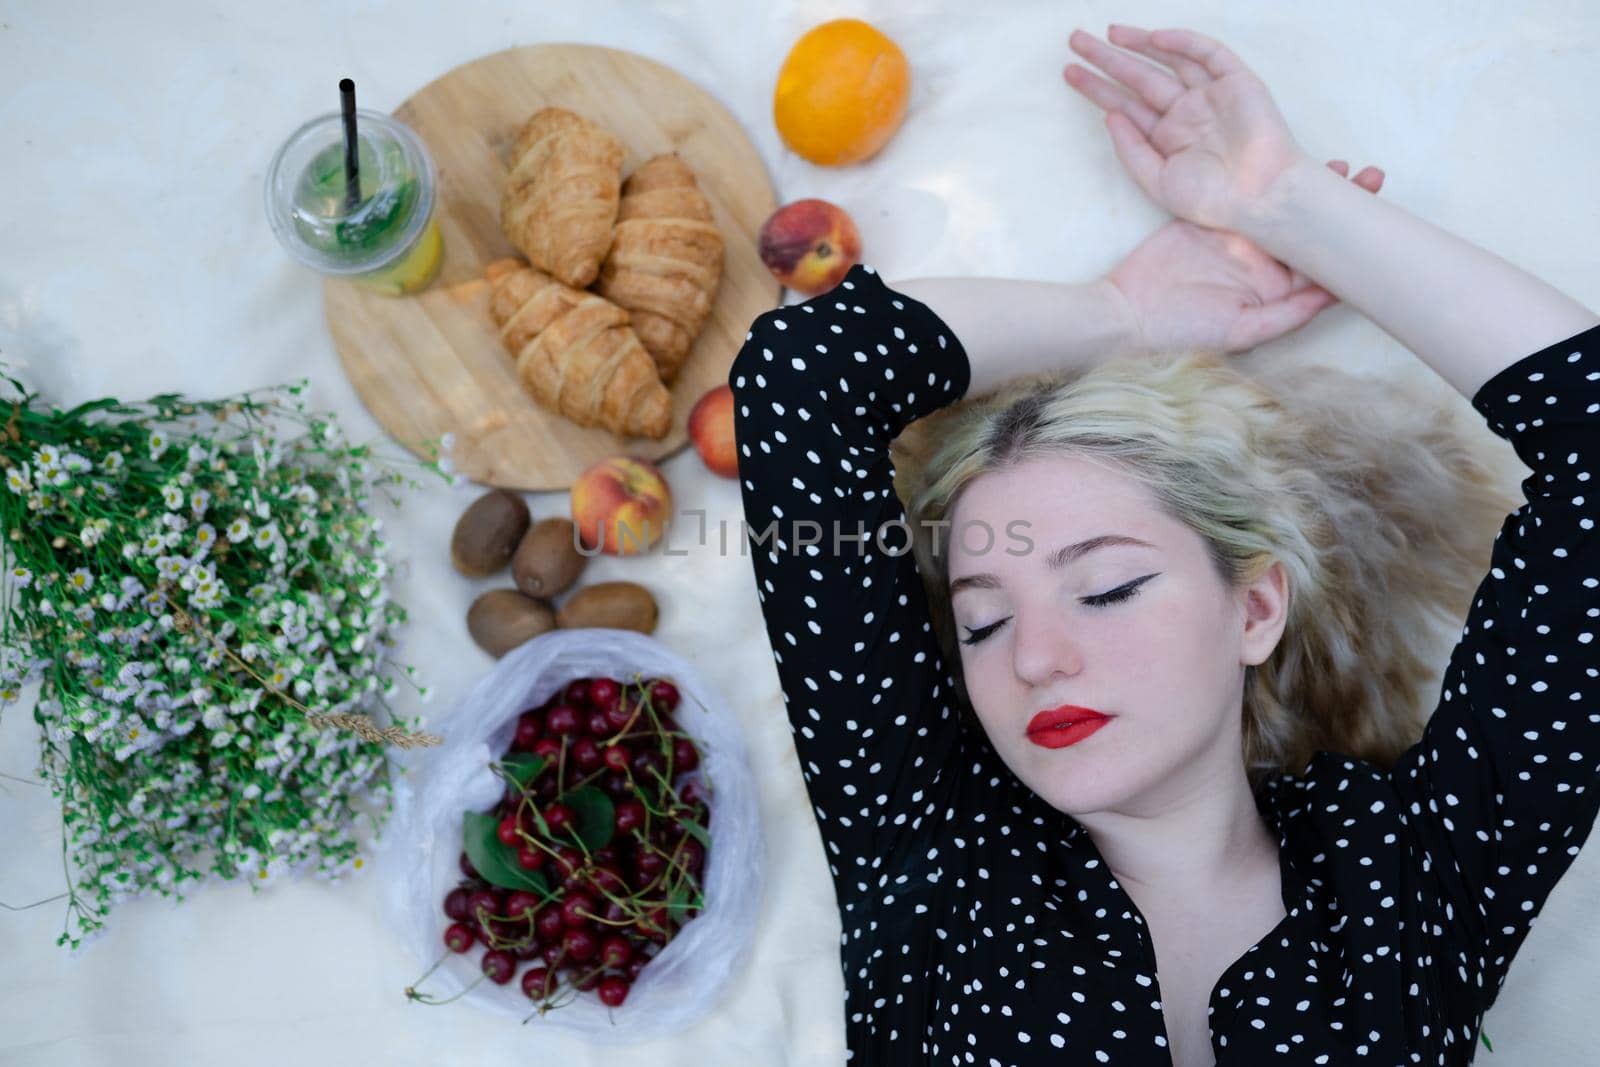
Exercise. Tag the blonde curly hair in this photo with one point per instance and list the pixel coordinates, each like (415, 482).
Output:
(1381, 508)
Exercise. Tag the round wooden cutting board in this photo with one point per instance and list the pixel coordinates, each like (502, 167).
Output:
(432, 363)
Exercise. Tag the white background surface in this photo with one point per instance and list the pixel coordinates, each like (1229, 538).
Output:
(134, 259)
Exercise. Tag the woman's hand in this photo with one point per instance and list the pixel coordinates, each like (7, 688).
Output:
(1203, 139)
(1192, 287)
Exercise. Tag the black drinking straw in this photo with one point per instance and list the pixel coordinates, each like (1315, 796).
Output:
(352, 175)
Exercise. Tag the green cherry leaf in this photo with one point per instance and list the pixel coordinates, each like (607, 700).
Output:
(698, 832)
(522, 769)
(679, 901)
(596, 816)
(497, 863)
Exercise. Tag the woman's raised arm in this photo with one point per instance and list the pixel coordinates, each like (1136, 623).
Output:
(1467, 313)
(1203, 137)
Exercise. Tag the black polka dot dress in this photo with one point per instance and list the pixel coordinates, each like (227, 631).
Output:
(980, 925)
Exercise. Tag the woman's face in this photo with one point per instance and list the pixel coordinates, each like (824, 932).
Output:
(1165, 663)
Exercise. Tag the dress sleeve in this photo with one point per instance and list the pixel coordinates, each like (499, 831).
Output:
(1502, 789)
(820, 389)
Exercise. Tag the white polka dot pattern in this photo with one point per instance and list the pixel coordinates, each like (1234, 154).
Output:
(982, 926)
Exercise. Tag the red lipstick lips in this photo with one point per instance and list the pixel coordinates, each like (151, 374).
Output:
(1063, 726)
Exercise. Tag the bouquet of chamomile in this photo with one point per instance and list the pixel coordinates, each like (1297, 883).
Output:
(199, 590)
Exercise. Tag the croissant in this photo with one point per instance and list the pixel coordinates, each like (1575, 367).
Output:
(575, 352)
(665, 261)
(560, 200)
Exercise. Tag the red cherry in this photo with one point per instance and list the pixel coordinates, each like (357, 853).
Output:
(577, 693)
(684, 755)
(605, 854)
(694, 794)
(548, 747)
(620, 714)
(663, 695)
(617, 785)
(530, 859)
(581, 944)
(615, 757)
(577, 910)
(603, 693)
(608, 879)
(613, 991)
(528, 951)
(645, 759)
(634, 966)
(615, 912)
(507, 831)
(484, 902)
(563, 720)
(568, 862)
(553, 953)
(533, 982)
(629, 813)
(459, 937)
(586, 754)
(550, 923)
(455, 903)
(559, 817)
(499, 965)
(468, 869)
(530, 724)
(521, 904)
(586, 982)
(597, 724)
(615, 951)
(692, 856)
(649, 865)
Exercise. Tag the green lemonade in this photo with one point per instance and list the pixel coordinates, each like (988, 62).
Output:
(380, 221)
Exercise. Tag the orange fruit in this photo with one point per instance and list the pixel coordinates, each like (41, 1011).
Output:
(842, 92)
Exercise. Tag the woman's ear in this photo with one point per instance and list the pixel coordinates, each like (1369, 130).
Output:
(1266, 611)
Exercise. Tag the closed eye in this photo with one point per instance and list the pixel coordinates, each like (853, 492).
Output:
(1121, 593)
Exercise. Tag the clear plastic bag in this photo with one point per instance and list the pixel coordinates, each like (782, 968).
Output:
(423, 843)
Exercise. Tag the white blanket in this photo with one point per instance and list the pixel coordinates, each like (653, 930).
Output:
(135, 259)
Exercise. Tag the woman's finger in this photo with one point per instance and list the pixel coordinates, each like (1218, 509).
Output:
(1156, 87)
(1259, 325)
(1212, 55)
(1191, 73)
(1137, 156)
(1111, 97)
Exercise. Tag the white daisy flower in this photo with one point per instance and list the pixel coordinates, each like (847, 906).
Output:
(112, 461)
(173, 496)
(17, 480)
(158, 443)
(22, 577)
(239, 529)
(81, 580)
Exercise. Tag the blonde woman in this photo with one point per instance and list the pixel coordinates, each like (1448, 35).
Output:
(1115, 740)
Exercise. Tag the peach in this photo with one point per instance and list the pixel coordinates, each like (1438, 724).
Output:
(809, 245)
(711, 430)
(621, 506)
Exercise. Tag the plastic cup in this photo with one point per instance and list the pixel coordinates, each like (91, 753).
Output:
(389, 241)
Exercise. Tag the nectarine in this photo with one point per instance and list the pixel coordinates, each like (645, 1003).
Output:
(711, 430)
(621, 506)
(809, 245)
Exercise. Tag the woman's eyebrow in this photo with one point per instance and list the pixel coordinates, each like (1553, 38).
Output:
(1055, 561)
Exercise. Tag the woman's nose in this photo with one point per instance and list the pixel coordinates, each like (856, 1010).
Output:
(1043, 647)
